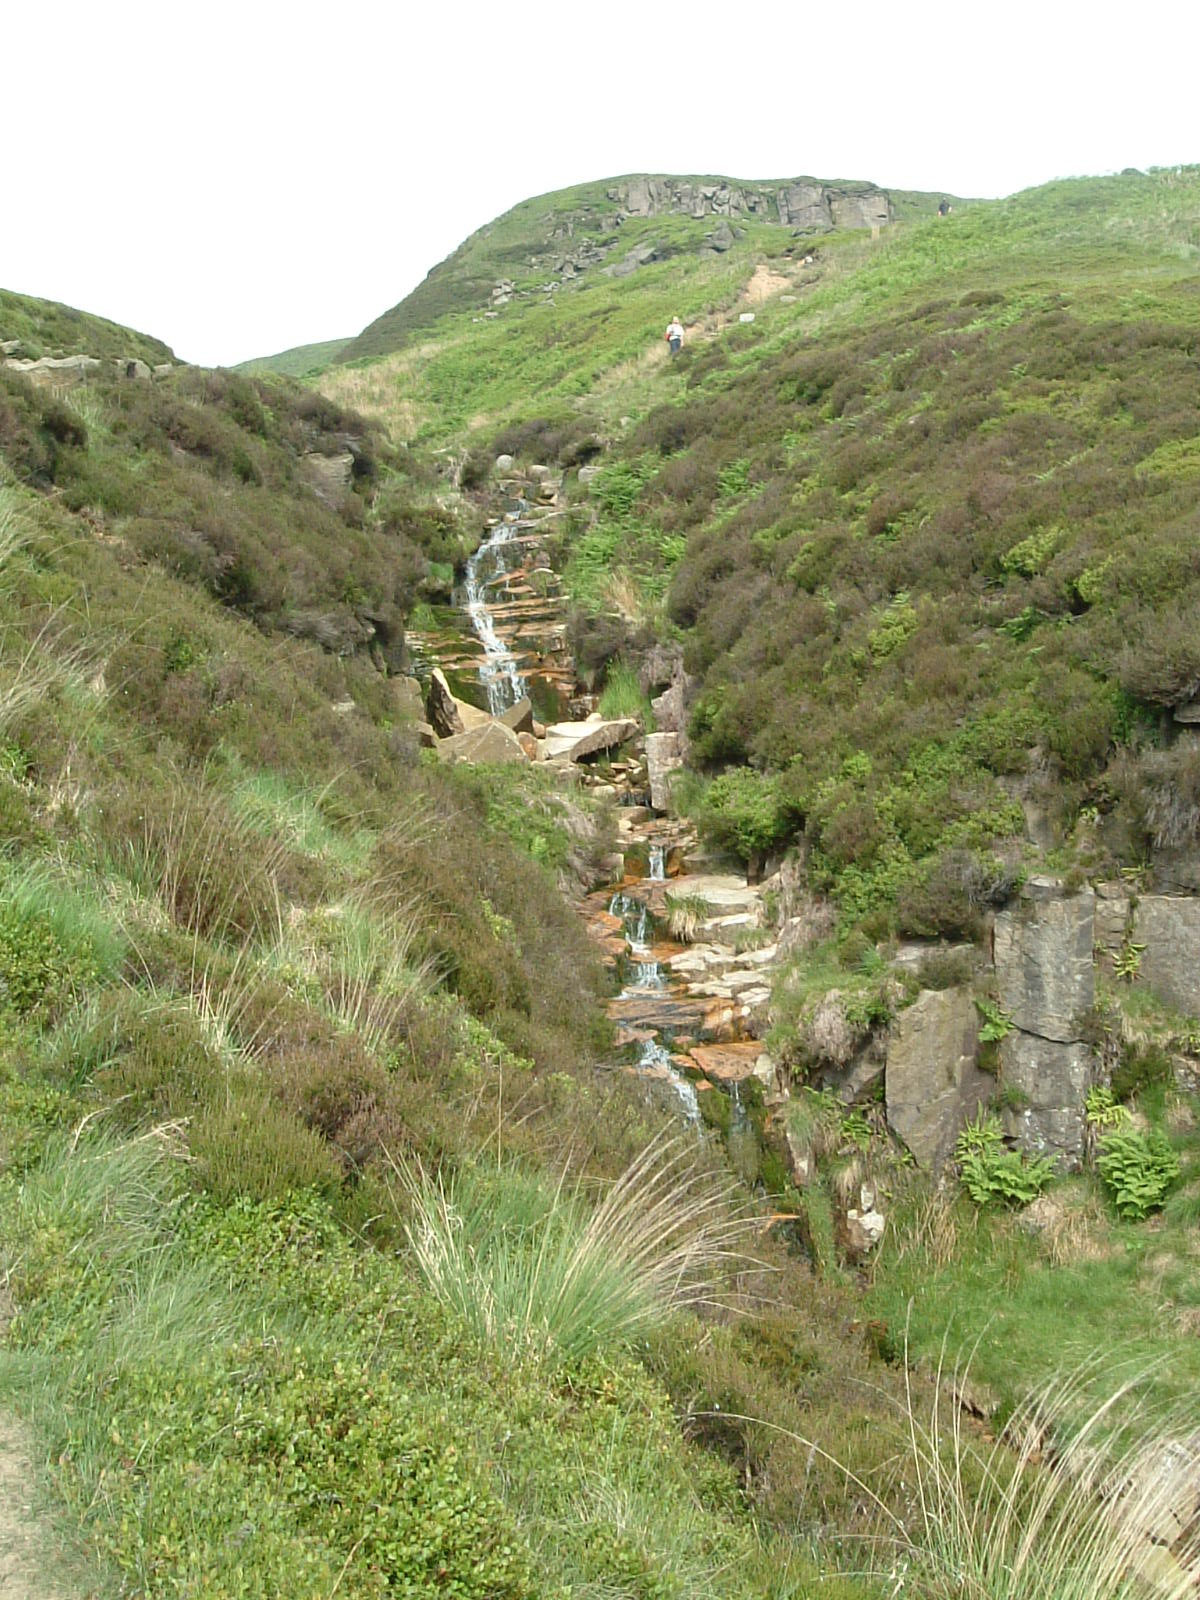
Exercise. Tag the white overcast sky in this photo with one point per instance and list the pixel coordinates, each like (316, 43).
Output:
(240, 178)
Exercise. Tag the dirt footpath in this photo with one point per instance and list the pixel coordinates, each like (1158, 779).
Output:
(23, 1546)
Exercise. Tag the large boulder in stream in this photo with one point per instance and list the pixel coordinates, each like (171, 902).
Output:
(519, 717)
(574, 741)
(448, 715)
(489, 744)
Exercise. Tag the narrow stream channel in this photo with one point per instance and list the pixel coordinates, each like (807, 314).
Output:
(494, 598)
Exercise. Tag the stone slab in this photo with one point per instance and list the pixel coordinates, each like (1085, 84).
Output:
(1169, 927)
(1053, 1079)
(933, 1086)
(1043, 953)
(482, 746)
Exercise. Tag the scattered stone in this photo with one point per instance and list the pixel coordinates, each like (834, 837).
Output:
(426, 737)
(588, 474)
(136, 369)
(164, 368)
(746, 316)
(504, 463)
(575, 740)
(449, 715)
(518, 717)
(538, 473)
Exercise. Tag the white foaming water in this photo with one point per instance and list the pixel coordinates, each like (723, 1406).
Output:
(655, 1055)
(657, 864)
(501, 677)
(635, 914)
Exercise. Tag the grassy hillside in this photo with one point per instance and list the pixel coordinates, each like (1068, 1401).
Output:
(925, 533)
(527, 245)
(303, 1143)
(301, 361)
(45, 328)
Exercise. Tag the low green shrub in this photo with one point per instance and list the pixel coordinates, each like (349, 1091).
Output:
(994, 1175)
(1138, 1170)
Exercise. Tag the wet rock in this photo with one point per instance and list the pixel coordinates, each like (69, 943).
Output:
(933, 1085)
(448, 715)
(726, 1064)
(518, 717)
(481, 746)
(1169, 927)
(1043, 953)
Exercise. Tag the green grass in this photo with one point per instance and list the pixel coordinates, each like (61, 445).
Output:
(301, 361)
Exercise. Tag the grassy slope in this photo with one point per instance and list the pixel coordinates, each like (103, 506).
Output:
(504, 248)
(46, 328)
(238, 970)
(302, 361)
(928, 537)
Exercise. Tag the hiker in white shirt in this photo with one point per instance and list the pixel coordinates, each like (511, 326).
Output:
(674, 335)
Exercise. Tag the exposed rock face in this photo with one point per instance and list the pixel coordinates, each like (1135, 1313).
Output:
(933, 1085)
(329, 475)
(806, 204)
(664, 755)
(407, 698)
(1046, 980)
(1053, 1079)
(1043, 950)
(1169, 927)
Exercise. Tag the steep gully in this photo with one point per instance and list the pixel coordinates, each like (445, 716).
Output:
(684, 1013)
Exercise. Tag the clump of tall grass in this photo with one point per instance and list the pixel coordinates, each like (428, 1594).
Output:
(541, 1271)
(1077, 1498)
(623, 696)
(362, 967)
(1044, 1512)
(686, 914)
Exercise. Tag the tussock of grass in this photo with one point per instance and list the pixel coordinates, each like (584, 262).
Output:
(535, 1270)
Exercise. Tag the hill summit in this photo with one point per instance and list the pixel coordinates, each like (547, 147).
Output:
(614, 227)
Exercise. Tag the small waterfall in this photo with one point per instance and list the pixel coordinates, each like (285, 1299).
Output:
(658, 864)
(655, 1056)
(635, 914)
(501, 677)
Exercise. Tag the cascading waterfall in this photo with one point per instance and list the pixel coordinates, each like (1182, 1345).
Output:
(655, 1057)
(658, 873)
(502, 679)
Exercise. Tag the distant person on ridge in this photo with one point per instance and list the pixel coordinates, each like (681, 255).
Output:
(674, 335)
(944, 209)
